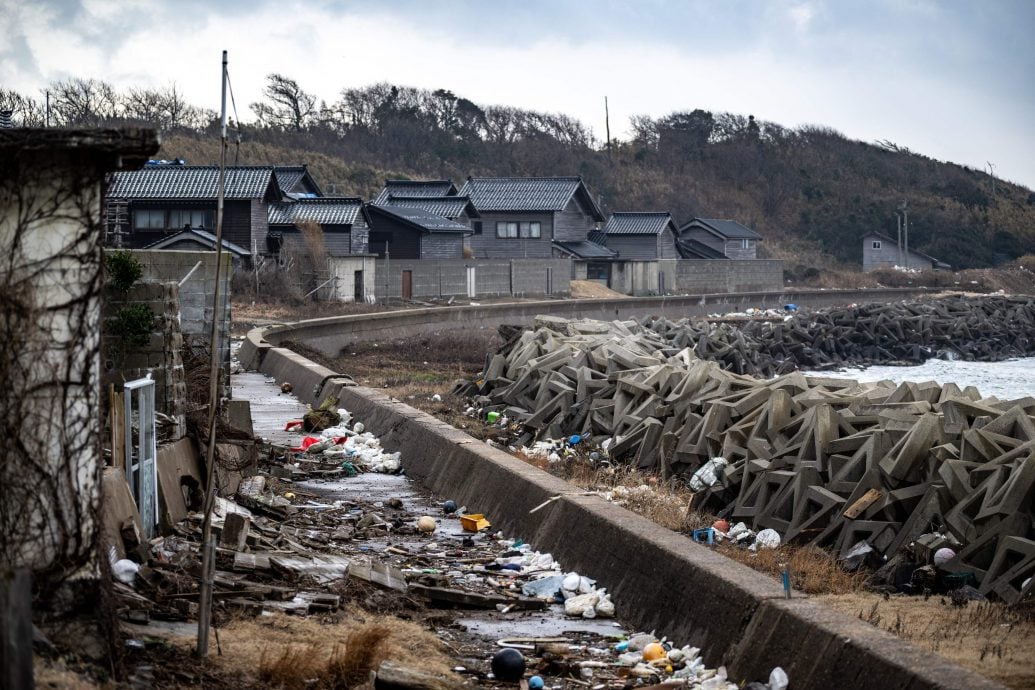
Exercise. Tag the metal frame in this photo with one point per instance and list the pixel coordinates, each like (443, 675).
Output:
(142, 451)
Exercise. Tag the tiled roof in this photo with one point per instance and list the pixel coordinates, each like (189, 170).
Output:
(291, 176)
(692, 249)
(423, 220)
(412, 188)
(637, 223)
(325, 211)
(449, 206)
(202, 237)
(190, 182)
(527, 194)
(729, 229)
(585, 249)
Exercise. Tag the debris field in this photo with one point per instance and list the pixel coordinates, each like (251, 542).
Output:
(891, 475)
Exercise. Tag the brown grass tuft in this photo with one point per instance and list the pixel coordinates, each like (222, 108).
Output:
(363, 651)
(291, 667)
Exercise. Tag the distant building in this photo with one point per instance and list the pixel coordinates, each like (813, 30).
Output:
(726, 237)
(160, 200)
(401, 232)
(343, 220)
(882, 251)
(522, 217)
(640, 236)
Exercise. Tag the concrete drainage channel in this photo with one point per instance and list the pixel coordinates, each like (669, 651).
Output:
(659, 579)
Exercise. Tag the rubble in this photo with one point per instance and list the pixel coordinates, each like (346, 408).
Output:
(821, 461)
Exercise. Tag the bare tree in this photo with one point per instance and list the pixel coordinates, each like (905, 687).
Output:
(26, 111)
(84, 102)
(287, 106)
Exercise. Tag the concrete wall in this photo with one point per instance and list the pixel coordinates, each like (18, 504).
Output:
(343, 271)
(713, 275)
(160, 357)
(195, 295)
(660, 580)
(447, 278)
(330, 335)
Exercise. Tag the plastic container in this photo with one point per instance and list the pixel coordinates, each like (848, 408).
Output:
(475, 522)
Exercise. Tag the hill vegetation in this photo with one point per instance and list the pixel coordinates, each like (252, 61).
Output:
(810, 191)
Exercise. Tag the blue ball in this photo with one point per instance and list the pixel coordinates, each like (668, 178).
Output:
(449, 506)
(535, 683)
(508, 664)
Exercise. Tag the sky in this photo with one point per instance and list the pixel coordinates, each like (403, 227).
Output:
(953, 79)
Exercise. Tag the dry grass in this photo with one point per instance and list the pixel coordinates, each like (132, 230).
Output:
(53, 673)
(294, 653)
(812, 570)
(992, 639)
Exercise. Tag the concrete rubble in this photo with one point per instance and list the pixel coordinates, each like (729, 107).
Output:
(305, 529)
(906, 470)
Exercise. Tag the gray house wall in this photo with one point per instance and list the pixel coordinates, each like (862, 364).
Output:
(448, 277)
(667, 245)
(260, 226)
(360, 237)
(887, 256)
(442, 246)
(734, 249)
(644, 247)
(573, 223)
(731, 248)
(488, 246)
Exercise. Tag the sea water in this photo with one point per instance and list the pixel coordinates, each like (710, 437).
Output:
(1007, 380)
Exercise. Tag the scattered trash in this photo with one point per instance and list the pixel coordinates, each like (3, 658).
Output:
(427, 524)
(708, 474)
(767, 539)
(475, 522)
(508, 665)
(449, 507)
(943, 556)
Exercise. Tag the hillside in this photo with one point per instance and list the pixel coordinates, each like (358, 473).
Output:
(810, 191)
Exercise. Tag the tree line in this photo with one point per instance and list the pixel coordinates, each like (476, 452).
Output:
(809, 190)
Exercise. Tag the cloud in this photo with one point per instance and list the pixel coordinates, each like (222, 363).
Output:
(948, 80)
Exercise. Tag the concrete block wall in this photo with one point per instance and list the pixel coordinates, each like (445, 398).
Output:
(196, 293)
(343, 271)
(492, 278)
(160, 357)
(703, 275)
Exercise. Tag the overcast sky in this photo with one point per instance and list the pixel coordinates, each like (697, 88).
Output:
(952, 80)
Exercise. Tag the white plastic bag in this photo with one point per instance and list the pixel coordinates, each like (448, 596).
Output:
(708, 474)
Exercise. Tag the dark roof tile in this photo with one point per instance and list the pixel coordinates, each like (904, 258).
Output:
(415, 188)
(190, 182)
(325, 211)
(637, 223)
(527, 194)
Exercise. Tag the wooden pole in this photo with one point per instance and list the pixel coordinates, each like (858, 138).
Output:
(207, 545)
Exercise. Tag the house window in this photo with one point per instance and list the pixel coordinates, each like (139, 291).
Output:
(745, 244)
(876, 244)
(506, 230)
(477, 227)
(146, 219)
(524, 229)
(195, 218)
(533, 230)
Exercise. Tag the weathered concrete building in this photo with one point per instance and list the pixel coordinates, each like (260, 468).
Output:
(51, 188)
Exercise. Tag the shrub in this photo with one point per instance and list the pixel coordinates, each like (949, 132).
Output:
(123, 270)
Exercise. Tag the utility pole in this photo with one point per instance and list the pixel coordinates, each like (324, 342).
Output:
(991, 174)
(607, 127)
(898, 217)
(208, 544)
(905, 230)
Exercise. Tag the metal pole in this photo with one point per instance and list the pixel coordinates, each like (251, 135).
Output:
(905, 231)
(208, 546)
(898, 218)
